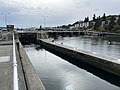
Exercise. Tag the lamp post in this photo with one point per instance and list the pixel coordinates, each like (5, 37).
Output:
(5, 17)
(45, 19)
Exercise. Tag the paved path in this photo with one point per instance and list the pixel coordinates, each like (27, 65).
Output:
(6, 69)
(28, 78)
(5, 43)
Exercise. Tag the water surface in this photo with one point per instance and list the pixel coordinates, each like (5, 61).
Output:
(58, 74)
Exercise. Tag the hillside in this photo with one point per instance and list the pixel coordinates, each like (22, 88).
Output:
(109, 23)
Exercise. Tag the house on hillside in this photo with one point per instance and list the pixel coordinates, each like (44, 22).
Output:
(77, 26)
(81, 25)
(92, 23)
(117, 17)
(105, 23)
(72, 27)
(84, 24)
(108, 19)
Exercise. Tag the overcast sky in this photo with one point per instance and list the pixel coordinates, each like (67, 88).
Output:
(28, 13)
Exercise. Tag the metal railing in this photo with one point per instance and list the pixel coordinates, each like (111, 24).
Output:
(15, 72)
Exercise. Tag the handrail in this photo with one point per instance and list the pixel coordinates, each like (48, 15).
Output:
(15, 72)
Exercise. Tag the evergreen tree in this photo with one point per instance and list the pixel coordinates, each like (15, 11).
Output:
(40, 26)
(104, 17)
(87, 19)
(99, 17)
(94, 17)
(118, 21)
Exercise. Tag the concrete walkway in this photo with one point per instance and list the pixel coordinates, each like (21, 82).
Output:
(6, 69)
(28, 79)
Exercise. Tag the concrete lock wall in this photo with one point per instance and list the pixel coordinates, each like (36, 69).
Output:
(32, 79)
(102, 62)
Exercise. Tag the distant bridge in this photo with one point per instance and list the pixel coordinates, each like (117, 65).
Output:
(31, 36)
(69, 31)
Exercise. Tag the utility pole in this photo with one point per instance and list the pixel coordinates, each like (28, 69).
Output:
(45, 19)
(5, 17)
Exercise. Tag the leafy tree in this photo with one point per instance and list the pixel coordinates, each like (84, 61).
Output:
(112, 23)
(65, 26)
(98, 18)
(69, 24)
(76, 22)
(97, 24)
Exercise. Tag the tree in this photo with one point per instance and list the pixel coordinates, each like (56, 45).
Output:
(94, 17)
(99, 17)
(104, 17)
(97, 24)
(76, 22)
(112, 23)
(69, 25)
(118, 21)
(87, 19)
(40, 27)
(65, 26)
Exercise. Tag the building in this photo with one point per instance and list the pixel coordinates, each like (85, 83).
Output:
(84, 24)
(72, 27)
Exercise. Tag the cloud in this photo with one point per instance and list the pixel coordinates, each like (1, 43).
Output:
(25, 12)
(96, 9)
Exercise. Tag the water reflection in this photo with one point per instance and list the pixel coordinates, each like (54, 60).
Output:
(108, 46)
(38, 47)
(58, 74)
(96, 71)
